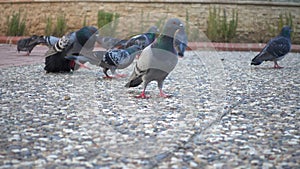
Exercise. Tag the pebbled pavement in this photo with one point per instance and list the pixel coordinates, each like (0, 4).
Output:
(224, 113)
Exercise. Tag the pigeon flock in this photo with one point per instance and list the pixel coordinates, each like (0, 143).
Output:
(156, 52)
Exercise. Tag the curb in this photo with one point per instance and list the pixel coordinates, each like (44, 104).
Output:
(11, 39)
(191, 45)
(232, 46)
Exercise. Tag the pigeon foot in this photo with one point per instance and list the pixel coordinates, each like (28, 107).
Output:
(120, 75)
(276, 66)
(81, 65)
(142, 96)
(108, 77)
(163, 95)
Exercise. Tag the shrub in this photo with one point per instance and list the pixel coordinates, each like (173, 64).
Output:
(61, 26)
(218, 27)
(107, 22)
(48, 29)
(84, 22)
(15, 25)
(287, 19)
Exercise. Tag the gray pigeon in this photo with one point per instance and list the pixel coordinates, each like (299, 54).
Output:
(118, 59)
(108, 42)
(27, 44)
(275, 49)
(157, 60)
(76, 43)
(181, 41)
(50, 40)
(143, 40)
(110, 60)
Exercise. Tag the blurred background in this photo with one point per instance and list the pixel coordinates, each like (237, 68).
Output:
(242, 21)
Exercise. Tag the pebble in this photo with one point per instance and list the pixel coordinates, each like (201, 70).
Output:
(67, 98)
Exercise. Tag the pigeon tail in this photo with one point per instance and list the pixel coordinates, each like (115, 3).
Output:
(135, 82)
(255, 62)
(56, 64)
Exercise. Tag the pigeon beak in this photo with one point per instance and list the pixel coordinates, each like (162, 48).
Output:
(181, 25)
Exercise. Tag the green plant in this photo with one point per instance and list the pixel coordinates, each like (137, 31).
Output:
(84, 22)
(48, 29)
(187, 23)
(107, 22)
(282, 21)
(142, 22)
(15, 25)
(212, 24)
(61, 26)
(218, 27)
(161, 22)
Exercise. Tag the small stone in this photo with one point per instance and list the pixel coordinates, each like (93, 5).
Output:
(254, 162)
(260, 134)
(16, 150)
(267, 165)
(67, 98)
(193, 164)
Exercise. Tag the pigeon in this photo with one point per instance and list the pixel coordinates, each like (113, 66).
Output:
(76, 43)
(27, 44)
(108, 42)
(181, 42)
(275, 49)
(157, 60)
(49, 40)
(110, 60)
(153, 29)
(143, 40)
(118, 59)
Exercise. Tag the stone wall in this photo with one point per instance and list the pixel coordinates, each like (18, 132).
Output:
(255, 18)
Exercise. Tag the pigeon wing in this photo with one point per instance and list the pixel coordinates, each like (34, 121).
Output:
(279, 47)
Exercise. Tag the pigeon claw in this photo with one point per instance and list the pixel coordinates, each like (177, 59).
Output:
(163, 95)
(108, 77)
(276, 66)
(83, 66)
(142, 96)
(115, 76)
(121, 75)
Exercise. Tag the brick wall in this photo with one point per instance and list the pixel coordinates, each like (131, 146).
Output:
(255, 18)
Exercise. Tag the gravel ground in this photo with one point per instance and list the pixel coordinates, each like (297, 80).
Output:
(223, 113)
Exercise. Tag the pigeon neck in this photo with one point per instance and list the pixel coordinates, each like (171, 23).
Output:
(150, 35)
(163, 39)
(165, 42)
(285, 33)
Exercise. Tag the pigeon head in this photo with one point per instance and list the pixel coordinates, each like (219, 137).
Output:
(286, 31)
(34, 40)
(85, 33)
(171, 26)
(153, 29)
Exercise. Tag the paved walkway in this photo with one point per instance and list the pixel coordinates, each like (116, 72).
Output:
(223, 113)
(10, 57)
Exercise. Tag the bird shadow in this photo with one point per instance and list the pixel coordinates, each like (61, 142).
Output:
(272, 68)
(267, 68)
